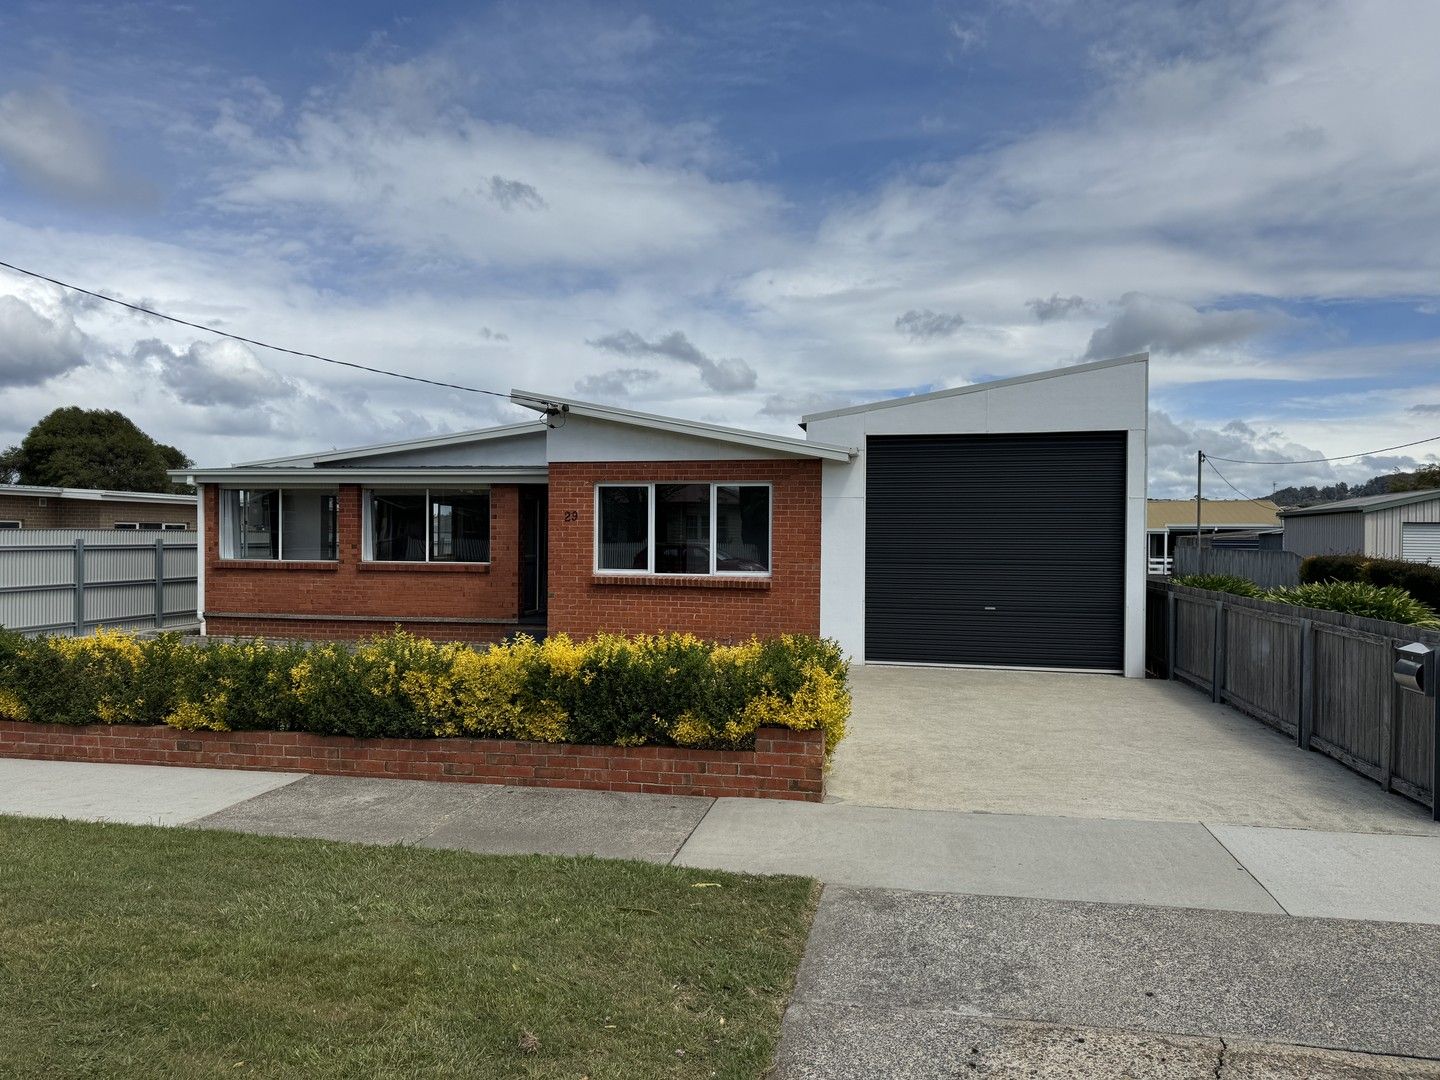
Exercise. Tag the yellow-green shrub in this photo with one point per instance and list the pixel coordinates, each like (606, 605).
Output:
(629, 691)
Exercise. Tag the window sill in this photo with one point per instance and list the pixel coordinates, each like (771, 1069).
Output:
(273, 564)
(683, 581)
(423, 568)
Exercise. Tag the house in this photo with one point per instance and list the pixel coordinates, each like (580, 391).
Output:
(1223, 522)
(25, 506)
(1400, 525)
(996, 524)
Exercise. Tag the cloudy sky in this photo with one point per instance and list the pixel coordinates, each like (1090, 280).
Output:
(737, 212)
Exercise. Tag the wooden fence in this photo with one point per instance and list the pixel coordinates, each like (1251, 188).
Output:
(1267, 569)
(1319, 676)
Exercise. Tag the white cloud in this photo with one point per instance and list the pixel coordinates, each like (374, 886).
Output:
(55, 150)
(1164, 325)
(724, 376)
(34, 348)
(923, 325)
(218, 372)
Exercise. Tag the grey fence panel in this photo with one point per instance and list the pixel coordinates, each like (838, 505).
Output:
(1321, 676)
(1268, 569)
(1262, 666)
(117, 572)
(1194, 659)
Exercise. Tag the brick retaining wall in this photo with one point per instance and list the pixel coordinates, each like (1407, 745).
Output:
(785, 764)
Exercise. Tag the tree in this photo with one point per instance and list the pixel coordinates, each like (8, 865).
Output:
(91, 448)
(1422, 479)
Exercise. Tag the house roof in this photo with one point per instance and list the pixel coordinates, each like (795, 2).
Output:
(454, 438)
(784, 444)
(1237, 513)
(1366, 504)
(98, 494)
(323, 466)
(975, 388)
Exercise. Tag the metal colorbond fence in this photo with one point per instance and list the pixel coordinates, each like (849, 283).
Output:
(69, 581)
(1268, 569)
(1322, 677)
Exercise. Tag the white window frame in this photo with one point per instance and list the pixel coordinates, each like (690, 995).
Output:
(127, 526)
(227, 520)
(650, 542)
(367, 540)
(11, 523)
(174, 526)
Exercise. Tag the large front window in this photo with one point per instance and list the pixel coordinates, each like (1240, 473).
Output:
(428, 526)
(278, 523)
(683, 528)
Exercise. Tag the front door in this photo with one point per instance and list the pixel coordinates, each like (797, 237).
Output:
(534, 507)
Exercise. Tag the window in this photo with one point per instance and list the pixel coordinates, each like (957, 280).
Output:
(683, 528)
(175, 526)
(428, 526)
(11, 524)
(127, 525)
(294, 525)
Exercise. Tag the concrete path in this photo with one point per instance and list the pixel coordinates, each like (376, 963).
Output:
(1065, 745)
(917, 985)
(134, 794)
(1174, 864)
(473, 817)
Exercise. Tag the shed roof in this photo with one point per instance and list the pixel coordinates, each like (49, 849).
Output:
(1240, 513)
(1366, 504)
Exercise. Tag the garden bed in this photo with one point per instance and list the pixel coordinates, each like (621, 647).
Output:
(666, 714)
(783, 764)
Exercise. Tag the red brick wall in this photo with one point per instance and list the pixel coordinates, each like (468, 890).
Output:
(460, 601)
(784, 764)
(58, 513)
(725, 609)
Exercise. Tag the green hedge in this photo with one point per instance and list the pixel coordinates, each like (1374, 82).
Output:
(1360, 598)
(1226, 583)
(1418, 579)
(667, 689)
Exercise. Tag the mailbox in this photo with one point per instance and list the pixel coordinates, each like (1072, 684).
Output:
(1415, 668)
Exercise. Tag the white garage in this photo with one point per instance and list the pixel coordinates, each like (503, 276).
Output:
(998, 525)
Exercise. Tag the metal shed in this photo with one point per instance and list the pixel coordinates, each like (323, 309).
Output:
(1401, 525)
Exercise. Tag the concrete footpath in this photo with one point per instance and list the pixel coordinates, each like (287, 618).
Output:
(948, 942)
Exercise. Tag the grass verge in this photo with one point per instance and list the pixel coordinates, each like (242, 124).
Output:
(130, 951)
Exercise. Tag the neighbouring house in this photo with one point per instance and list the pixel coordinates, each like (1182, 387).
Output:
(1246, 523)
(995, 524)
(1401, 525)
(28, 507)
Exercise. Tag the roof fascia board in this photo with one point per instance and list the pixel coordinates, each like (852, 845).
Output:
(454, 438)
(975, 388)
(303, 476)
(695, 428)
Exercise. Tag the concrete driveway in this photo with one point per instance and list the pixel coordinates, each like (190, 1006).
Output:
(1091, 746)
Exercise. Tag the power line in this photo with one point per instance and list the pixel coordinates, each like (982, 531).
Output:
(1318, 460)
(1232, 487)
(250, 341)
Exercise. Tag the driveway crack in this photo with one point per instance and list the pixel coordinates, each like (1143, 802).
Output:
(1220, 1060)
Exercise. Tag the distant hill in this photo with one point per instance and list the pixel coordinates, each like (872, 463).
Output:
(1309, 495)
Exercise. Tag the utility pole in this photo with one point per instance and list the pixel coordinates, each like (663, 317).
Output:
(1199, 499)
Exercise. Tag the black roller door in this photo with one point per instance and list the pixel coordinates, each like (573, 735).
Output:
(996, 549)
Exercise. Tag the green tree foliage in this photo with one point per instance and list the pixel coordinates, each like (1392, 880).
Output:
(1422, 479)
(91, 448)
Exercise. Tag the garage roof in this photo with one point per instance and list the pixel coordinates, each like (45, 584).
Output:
(890, 403)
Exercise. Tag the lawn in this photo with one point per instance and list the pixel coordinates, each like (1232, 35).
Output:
(131, 951)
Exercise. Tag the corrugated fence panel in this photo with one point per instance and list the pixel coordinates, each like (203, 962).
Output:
(37, 578)
(1262, 665)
